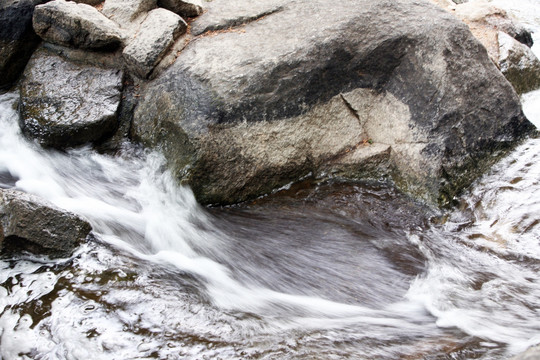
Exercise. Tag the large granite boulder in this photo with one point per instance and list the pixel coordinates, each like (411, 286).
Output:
(67, 104)
(76, 25)
(17, 38)
(291, 92)
(31, 223)
(519, 64)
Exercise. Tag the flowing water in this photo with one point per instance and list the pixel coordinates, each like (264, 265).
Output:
(327, 271)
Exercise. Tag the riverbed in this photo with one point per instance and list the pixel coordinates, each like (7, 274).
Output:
(317, 270)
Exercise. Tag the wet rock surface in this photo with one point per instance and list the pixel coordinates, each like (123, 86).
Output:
(31, 223)
(156, 34)
(65, 104)
(416, 80)
(519, 64)
(76, 25)
(17, 38)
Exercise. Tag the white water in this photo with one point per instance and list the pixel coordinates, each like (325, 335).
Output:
(166, 280)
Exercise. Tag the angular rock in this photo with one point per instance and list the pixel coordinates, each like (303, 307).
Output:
(518, 64)
(29, 222)
(156, 34)
(183, 8)
(485, 22)
(65, 104)
(252, 108)
(17, 38)
(125, 12)
(76, 25)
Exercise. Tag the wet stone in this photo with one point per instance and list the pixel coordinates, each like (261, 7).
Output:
(518, 64)
(31, 223)
(64, 104)
(76, 25)
(17, 39)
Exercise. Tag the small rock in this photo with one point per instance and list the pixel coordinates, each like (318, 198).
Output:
(29, 222)
(124, 12)
(17, 38)
(64, 104)
(182, 7)
(486, 20)
(76, 25)
(518, 64)
(156, 35)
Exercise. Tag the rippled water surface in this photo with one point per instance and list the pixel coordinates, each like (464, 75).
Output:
(316, 271)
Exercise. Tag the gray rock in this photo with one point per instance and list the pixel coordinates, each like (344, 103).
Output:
(183, 8)
(65, 104)
(222, 15)
(485, 21)
(248, 109)
(29, 222)
(126, 12)
(76, 25)
(519, 64)
(156, 34)
(532, 353)
(17, 38)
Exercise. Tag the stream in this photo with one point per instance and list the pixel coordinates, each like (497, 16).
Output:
(332, 270)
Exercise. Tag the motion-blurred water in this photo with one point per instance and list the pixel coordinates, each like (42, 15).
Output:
(333, 271)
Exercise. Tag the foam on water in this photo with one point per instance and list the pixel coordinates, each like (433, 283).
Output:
(161, 280)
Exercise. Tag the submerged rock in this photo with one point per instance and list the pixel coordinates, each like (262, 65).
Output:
(519, 64)
(156, 34)
(250, 108)
(29, 222)
(76, 25)
(66, 104)
(17, 38)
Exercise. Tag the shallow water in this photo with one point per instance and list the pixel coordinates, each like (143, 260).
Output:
(325, 271)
